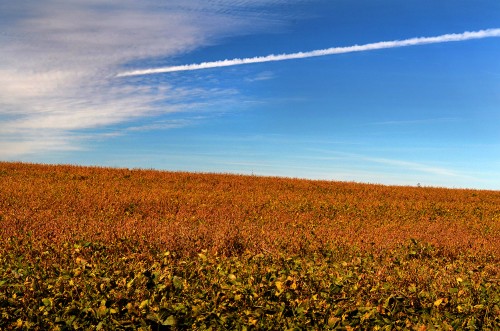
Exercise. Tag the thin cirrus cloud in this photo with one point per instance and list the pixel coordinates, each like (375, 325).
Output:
(468, 35)
(59, 60)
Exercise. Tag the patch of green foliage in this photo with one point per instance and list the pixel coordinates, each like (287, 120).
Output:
(92, 286)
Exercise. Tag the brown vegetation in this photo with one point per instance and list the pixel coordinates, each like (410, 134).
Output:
(100, 248)
(228, 214)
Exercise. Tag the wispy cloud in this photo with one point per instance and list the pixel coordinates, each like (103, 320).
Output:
(321, 52)
(265, 75)
(161, 125)
(59, 60)
(418, 121)
(414, 166)
(401, 164)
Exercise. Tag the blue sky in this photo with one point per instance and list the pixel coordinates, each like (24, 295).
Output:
(425, 114)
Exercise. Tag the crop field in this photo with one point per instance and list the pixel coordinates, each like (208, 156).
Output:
(88, 248)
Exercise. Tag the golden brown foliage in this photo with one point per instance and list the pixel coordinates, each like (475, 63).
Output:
(230, 214)
(86, 248)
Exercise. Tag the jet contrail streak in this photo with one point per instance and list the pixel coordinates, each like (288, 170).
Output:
(468, 35)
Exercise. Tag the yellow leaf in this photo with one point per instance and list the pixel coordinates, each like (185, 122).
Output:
(143, 304)
(438, 302)
(79, 260)
(101, 311)
(333, 320)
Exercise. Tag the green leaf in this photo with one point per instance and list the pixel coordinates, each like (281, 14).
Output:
(170, 321)
(179, 306)
(178, 282)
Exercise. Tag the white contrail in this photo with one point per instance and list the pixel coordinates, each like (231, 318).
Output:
(468, 35)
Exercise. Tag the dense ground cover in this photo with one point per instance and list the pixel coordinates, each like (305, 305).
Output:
(99, 248)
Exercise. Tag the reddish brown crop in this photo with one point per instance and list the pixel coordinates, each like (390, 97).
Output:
(229, 214)
(407, 245)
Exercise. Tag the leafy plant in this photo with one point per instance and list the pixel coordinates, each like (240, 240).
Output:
(98, 248)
